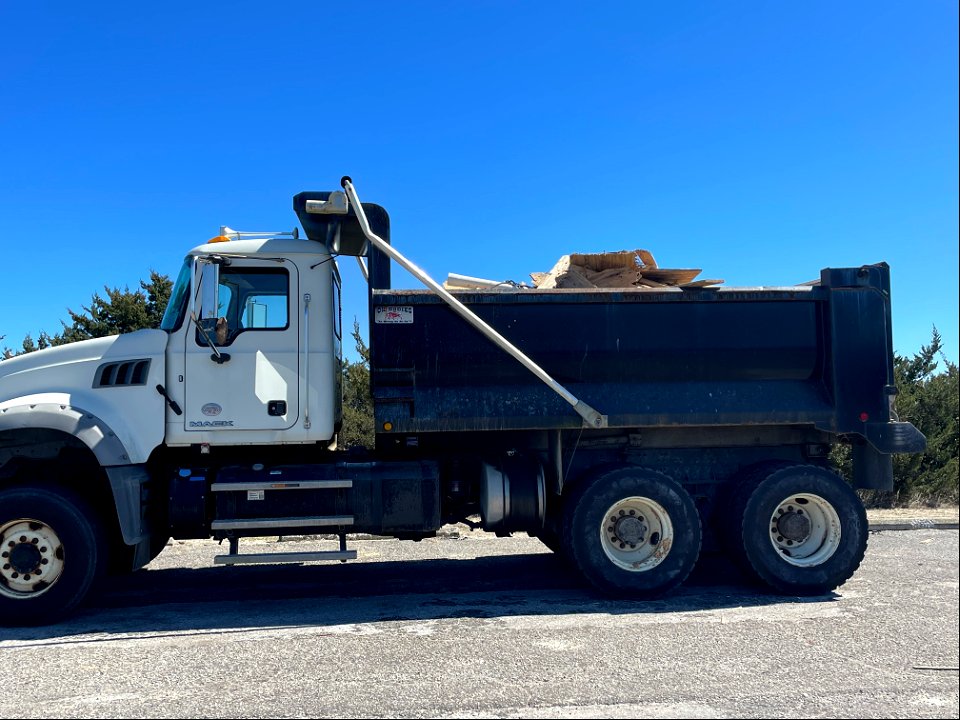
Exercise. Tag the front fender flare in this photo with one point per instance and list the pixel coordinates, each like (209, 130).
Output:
(86, 427)
(125, 479)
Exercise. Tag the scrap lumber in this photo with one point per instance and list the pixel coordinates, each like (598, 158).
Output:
(566, 275)
(623, 268)
(671, 277)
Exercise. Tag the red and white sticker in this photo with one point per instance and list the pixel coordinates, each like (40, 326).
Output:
(393, 315)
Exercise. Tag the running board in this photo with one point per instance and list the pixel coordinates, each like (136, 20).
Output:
(276, 523)
(282, 485)
(300, 557)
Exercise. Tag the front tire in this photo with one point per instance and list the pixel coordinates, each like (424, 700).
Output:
(51, 553)
(633, 533)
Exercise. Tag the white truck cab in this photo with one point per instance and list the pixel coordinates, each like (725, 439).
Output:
(254, 348)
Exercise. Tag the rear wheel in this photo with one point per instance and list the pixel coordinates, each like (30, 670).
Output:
(51, 552)
(633, 532)
(803, 530)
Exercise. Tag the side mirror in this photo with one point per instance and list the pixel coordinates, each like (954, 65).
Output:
(208, 322)
(209, 293)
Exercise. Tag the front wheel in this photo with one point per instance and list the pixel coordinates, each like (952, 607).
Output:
(51, 552)
(633, 532)
(803, 530)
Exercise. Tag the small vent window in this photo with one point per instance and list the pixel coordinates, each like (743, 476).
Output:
(122, 374)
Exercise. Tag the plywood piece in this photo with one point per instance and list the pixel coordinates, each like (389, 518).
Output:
(565, 275)
(701, 283)
(574, 278)
(646, 257)
(604, 261)
(645, 282)
(614, 277)
(550, 279)
(671, 277)
(538, 278)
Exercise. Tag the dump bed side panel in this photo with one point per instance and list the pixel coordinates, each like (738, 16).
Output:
(643, 358)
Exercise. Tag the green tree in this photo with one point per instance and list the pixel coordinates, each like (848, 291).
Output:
(357, 429)
(117, 311)
(930, 400)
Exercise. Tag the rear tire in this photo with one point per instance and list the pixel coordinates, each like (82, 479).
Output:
(803, 530)
(51, 553)
(632, 532)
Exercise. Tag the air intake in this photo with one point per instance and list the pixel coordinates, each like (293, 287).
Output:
(122, 374)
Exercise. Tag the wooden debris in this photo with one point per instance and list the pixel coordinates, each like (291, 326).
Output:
(624, 269)
(701, 283)
(670, 277)
(566, 275)
(646, 257)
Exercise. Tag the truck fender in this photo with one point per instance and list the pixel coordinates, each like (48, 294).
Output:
(86, 427)
(125, 479)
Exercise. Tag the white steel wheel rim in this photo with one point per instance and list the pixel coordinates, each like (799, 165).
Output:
(805, 530)
(636, 534)
(31, 558)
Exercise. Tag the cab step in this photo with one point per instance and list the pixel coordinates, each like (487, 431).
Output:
(294, 557)
(234, 557)
(276, 523)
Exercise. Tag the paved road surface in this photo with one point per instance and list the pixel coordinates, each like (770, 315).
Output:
(485, 627)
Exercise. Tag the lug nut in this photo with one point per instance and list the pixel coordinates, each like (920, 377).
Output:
(43, 561)
(779, 538)
(622, 513)
(622, 545)
(35, 541)
(633, 512)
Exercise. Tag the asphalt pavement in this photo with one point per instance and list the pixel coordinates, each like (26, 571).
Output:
(477, 626)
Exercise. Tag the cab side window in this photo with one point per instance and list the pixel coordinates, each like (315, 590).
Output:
(251, 299)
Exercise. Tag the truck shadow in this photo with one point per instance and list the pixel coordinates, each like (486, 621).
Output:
(349, 598)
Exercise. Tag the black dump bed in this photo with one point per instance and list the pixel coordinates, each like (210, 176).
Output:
(818, 355)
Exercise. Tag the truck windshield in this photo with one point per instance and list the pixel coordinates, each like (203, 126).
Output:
(173, 315)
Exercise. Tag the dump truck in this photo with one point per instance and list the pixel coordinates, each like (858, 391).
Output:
(632, 430)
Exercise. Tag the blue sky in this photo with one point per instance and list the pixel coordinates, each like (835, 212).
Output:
(759, 141)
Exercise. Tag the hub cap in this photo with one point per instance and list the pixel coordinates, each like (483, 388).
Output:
(636, 534)
(31, 558)
(805, 530)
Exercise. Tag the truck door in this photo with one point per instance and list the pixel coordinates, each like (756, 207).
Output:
(254, 384)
